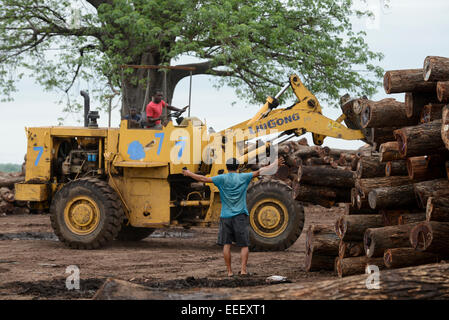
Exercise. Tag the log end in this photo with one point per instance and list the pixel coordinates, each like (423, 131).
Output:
(421, 237)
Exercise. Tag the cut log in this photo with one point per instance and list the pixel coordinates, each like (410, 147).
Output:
(351, 210)
(356, 265)
(322, 240)
(396, 168)
(325, 177)
(397, 81)
(319, 195)
(389, 151)
(6, 207)
(426, 189)
(391, 217)
(420, 140)
(445, 126)
(415, 102)
(8, 181)
(314, 262)
(382, 135)
(418, 169)
(307, 152)
(385, 113)
(436, 68)
(412, 218)
(392, 197)
(376, 240)
(350, 249)
(443, 91)
(352, 228)
(431, 112)
(365, 186)
(437, 209)
(6, 194)
(407, 257)
(431, 237)
(370, 167)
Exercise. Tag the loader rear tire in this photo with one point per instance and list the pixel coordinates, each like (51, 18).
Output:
(130, 233)
(86, 214)
(276, 219)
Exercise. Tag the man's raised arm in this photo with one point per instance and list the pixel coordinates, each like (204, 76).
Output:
(197, 177)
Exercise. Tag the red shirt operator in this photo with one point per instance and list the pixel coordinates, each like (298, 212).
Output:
(155, 108)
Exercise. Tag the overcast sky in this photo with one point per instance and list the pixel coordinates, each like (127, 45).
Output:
(406, 32)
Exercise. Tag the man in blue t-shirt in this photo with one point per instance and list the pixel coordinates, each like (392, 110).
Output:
(234, 217)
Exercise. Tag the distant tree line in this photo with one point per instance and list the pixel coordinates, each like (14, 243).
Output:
(10, 167)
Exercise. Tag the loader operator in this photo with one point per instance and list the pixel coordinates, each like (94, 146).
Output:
(234, 217)
(155, 108)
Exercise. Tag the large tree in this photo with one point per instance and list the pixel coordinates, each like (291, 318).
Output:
(251, 45)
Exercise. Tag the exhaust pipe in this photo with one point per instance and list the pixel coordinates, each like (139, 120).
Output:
(86, 107)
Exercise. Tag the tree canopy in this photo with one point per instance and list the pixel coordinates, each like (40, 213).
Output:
(250, 45)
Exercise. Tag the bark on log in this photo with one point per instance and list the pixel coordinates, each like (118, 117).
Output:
(426, 189)
(437, 209)
(415, 102)
(443, 91)
(365, 186)
(356, 265)
(9, 181)
(376, 240)
(351, 210)
(397, 81)
(382, 135)
(389, 151)
(322, 240)
(370, 167)
(420, 140)
(445, 126)
(392, 197)
(431, 112)
(407, 257)
(396, 168)
(348, 249)
(352, 228)
(412, 218)
(385, 113)
(323, 196)
(431, 237)
(436, 68)
(391, 217)
(326, 177)
(420, 168)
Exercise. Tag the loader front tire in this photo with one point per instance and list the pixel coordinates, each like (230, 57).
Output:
(86, 214)
(276, 219)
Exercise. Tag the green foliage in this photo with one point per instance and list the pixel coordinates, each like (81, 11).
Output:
(10, 167)
(250, 45)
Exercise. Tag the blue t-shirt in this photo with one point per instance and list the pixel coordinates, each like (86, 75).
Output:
(233, 188)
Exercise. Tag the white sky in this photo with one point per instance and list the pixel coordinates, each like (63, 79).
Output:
(406, 33)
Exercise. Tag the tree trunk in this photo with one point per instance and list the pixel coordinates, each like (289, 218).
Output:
(9, 181)
(376, 240)
(392, 197)
(385, 113)
(356, 265)
(396, 168)
(350, 249)
(322, 240)
(431, 237)
(370, 167)
(425, 189)
(382, 135)
(436, 68)
(407, 257)
(352, 119)
(412, 218)
(431, 112)
(443, 91)
(418, 169)
(364, 186)
(389, 151)
(437, 209)
(352, 228)
(323, 196)
(420, 140)
(326, 177)
(445, 126)
(391, 217)
(398, 81)
(415, 102)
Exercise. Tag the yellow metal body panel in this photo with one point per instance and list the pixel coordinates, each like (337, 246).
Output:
(31, 192)
(39, 155)
(147, 193)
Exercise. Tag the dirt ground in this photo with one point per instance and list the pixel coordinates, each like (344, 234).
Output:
(33, 262)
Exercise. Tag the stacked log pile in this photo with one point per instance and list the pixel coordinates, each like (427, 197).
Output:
(405, 185)
(8, 204)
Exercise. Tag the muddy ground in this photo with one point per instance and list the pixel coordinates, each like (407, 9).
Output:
(33, 262)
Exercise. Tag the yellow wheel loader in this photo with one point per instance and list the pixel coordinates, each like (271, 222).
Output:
(102, 184)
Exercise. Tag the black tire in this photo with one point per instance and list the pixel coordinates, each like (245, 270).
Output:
(283, 233)
(130, 233)
(108, 217)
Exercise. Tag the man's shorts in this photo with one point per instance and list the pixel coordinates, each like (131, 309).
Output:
(234, 229)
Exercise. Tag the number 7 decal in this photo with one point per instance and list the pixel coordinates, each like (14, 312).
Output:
(159, 135)
(41, 150)
(182, 143)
